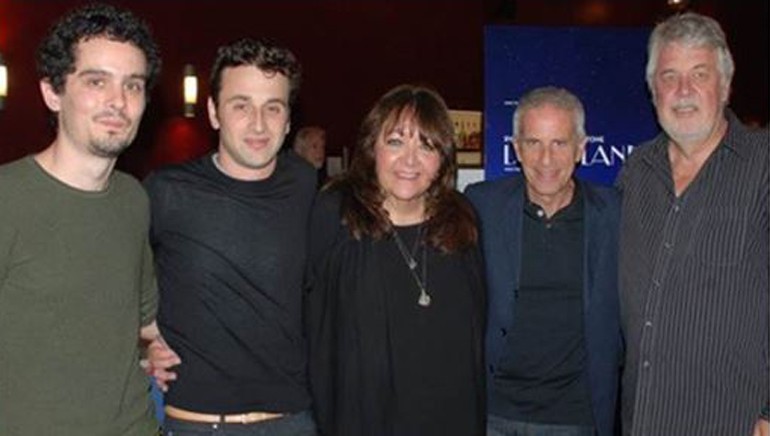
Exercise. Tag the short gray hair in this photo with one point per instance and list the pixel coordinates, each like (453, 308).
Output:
(694, 30)
(553, 96)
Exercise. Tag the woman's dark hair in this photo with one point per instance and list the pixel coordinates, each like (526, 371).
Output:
(56, 54)
(451, 223)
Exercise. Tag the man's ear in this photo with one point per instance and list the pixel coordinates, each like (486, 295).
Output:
(581, 149)
(725, 91)
(515, 147)
(213, 118)
(50, 96)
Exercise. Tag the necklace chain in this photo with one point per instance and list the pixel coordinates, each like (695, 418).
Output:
(424, 299)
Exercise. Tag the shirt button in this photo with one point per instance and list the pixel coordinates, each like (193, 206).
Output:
(656, 283)
(646, 364)
(676, 208)
(668, 245)
(648, 324)
(540, 213)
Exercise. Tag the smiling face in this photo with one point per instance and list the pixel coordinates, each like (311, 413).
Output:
(406, 165)
(689, 93)
(252, 117)
(101, 104)
(548, 148)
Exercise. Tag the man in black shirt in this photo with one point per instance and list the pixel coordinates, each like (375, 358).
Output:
(550, 246)
(228, 232)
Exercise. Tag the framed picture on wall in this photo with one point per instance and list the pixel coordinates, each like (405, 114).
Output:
(468, 136)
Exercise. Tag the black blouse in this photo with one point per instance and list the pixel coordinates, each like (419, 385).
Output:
(380, 364)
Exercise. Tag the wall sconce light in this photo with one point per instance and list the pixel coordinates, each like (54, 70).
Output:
(190, 91)
(677, 4)
(3, 82)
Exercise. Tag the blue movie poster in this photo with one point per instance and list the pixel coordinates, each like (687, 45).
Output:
(603, 67)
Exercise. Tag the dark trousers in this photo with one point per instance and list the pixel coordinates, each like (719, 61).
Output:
(296, 424)
(497, 426)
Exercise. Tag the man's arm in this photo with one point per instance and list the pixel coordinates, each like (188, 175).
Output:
(7, 241)
(762, 427)
(159, 357)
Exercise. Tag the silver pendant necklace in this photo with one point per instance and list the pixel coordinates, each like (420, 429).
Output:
(424, 299)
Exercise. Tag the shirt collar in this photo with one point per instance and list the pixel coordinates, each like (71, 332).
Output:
(733, 139)
(731, 142)
(572, 210)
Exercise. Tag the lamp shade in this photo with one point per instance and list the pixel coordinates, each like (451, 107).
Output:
(3, 81)
(190, 90)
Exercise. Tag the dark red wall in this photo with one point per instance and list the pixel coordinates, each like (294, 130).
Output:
(352, 51)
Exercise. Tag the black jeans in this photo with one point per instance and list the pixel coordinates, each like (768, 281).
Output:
(498, 426)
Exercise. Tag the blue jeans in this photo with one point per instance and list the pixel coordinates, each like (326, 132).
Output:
(497, 426)
(296, 424)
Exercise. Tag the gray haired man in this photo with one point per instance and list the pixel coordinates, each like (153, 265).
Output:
(694, 249)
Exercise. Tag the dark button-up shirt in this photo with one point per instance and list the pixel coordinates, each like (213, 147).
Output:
(694, 289)
(541, 377)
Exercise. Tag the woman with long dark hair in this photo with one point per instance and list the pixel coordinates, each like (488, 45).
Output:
(395, 311)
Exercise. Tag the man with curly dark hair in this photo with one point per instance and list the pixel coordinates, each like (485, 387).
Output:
(76, 275)
(228, 232)
(57, 54)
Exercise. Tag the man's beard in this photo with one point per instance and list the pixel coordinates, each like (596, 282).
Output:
(110, 147)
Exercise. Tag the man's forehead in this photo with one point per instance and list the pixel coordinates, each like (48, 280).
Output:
(253, 71)
(678, 50)
(102, 41)
(250, 83)
(105, 53)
